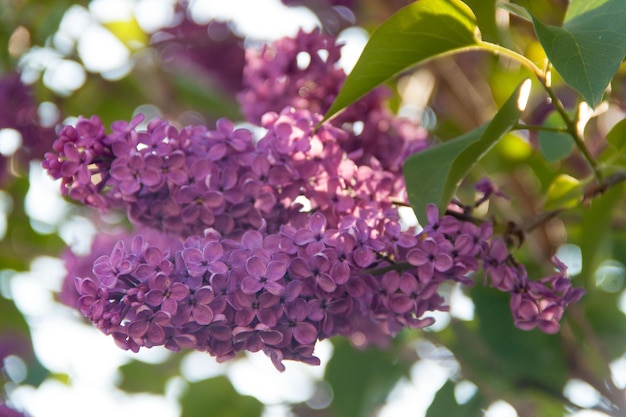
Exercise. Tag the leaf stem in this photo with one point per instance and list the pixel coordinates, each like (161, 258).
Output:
(501, 50)
(572, 127)
(543, 77)
(521, 126)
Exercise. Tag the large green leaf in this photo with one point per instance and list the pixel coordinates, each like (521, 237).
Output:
(140, 376)
(445, 405)
(361, 379)
(433, 175)
(554, 145)
(416, 33)
(588, 49)
(596, 227)
(217, 397)
(529, 359)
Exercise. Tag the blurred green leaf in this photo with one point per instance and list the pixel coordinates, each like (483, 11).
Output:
(617, 136)
(21, 243)
(445, 405)
(361, 379)
(15, 339)
(526, 359)
(433, 175)
(590, 46)
(596, 227)
(516, 10)
(139, 376)
(554, 146)
(217, 397)
(416, 33)
(485, 12)
(564, 192)
(615, 153)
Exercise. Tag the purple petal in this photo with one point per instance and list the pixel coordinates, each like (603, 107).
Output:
(256, 267)
(179, 291)
(443, 262)
(202, 314)
(305, 333)
(276, 270)
(250, 285)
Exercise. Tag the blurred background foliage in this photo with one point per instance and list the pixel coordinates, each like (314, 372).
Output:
(191, 73)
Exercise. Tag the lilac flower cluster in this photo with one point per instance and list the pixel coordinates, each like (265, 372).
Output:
(282, 240)
(18, 110)
(208, 51)
(303, 72)
(6, 411)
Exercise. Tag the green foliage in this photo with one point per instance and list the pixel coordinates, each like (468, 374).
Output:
(421, 31)
(564, 192)
(140, 376)
(433, 175)
(589, 47)
(445, 404)
(522, 359)
(217, 397)
(554, 145)
(368, 374)
(555, 169)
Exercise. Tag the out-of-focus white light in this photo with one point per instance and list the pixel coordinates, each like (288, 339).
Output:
(464, 391)
(153, 15)
(501, 409)
(461, 306)
(571, 256)
(64, 76)
(111, 10)
(43, 201)
(15, 368)
(618, 371)
(354, 40)
(10, 141)
(48, 113)
(413, 397)
(610, 275)
(257, 376)
(75, 21)
(524, 94)
(101, 51)
(581, 393)
(277, 19)
(197, 366)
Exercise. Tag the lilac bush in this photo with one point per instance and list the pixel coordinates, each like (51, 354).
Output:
(284, 239)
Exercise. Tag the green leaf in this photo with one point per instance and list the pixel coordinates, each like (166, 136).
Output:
(554, 146)
(433, 175)
(139, 376)
(416, 33)
(590, 46)
(516, 10)
(596, 226)
(444, 404)
(15, 339)
(615, 153)
(361, 379)
(564, 192)
(529, 359)
(617, 136)
(217, 397)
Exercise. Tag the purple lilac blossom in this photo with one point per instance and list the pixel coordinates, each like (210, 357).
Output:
(6, 411)
(18, 110)
(303, 72)
(208, 50)
(256, 270)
